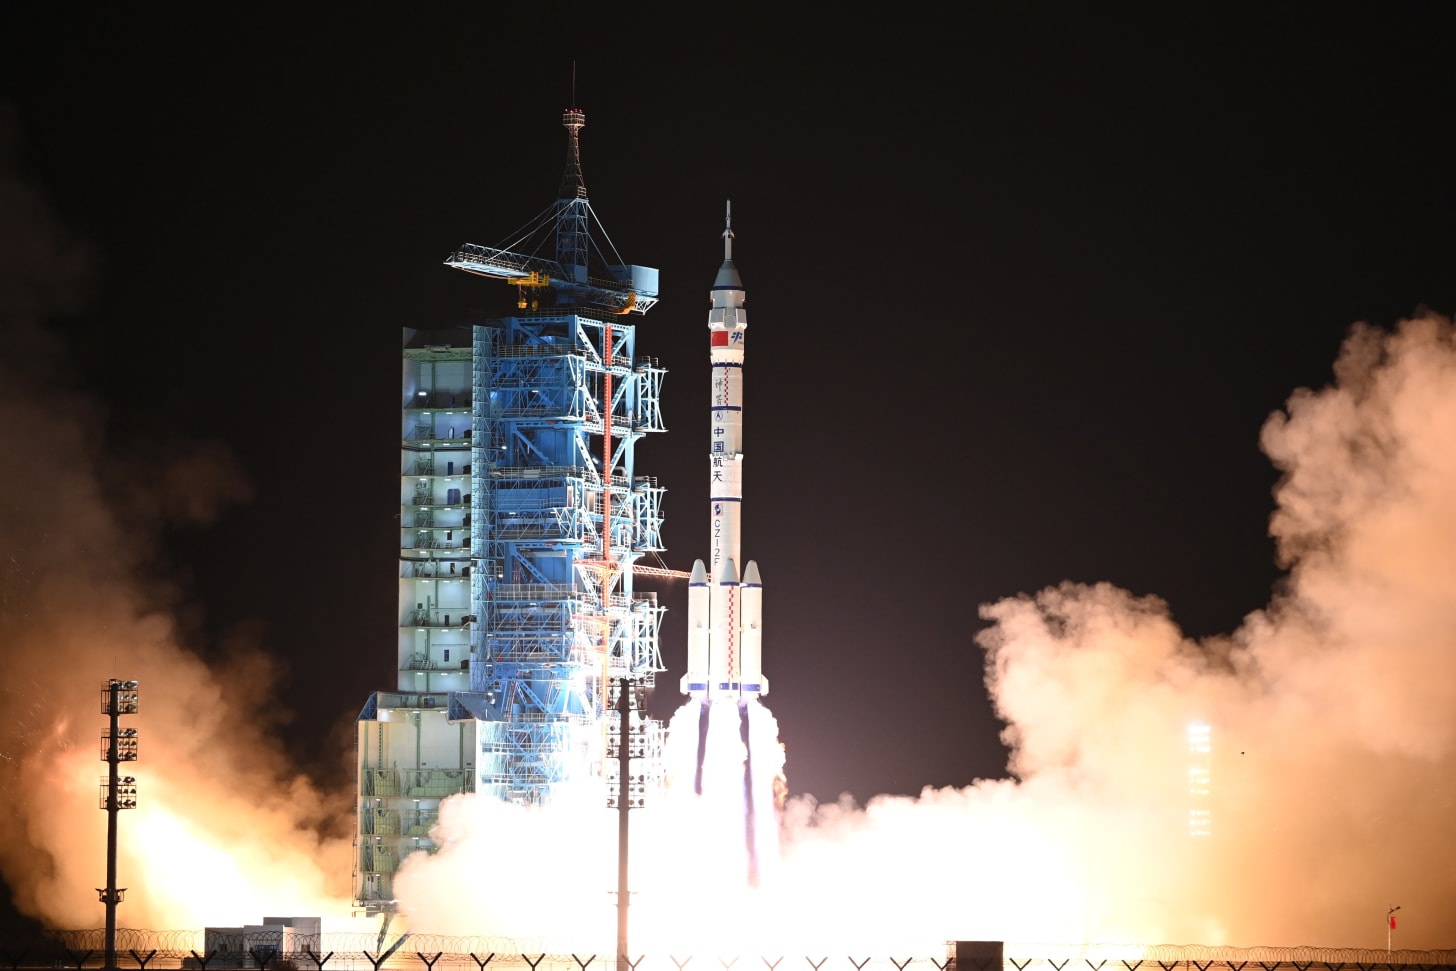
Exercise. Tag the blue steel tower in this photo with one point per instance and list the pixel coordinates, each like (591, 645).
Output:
(523, 520)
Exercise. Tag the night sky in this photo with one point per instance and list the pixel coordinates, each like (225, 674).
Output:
(1023, 287)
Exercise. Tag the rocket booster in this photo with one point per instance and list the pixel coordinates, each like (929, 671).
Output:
(725, 612)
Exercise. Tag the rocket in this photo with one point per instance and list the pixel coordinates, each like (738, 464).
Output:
(725, 611)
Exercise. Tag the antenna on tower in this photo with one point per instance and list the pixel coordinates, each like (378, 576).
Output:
(573, 82)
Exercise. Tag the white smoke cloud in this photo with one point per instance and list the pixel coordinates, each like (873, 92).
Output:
(1331, 709)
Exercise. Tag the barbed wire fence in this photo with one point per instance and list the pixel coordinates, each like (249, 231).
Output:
(148, 950)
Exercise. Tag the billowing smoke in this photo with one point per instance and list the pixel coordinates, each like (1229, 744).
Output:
(224, 831)
(1325, 797)
(1332, 711)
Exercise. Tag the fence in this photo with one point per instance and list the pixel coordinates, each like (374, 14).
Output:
(149, 950)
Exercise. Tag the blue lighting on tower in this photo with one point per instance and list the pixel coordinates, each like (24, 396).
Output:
(561, 398)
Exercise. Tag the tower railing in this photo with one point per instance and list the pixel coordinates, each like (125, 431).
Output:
(540, 350)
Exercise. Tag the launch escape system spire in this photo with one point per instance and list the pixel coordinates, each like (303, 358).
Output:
(523, 522)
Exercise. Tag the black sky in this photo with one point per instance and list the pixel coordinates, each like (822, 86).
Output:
(1023, 285)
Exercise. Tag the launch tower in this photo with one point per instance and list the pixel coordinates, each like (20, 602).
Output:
(522, 523)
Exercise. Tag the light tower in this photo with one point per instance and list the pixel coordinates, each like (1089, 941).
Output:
(118, 792)
(523, 522)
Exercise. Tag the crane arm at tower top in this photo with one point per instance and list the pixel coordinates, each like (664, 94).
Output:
(631, 289)
(502, 264)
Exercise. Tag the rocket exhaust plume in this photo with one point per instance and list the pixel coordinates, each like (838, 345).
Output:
(223, 826)
(750, 817)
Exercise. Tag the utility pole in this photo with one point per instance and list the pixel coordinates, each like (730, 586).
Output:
(118, 792)
(1390, 927)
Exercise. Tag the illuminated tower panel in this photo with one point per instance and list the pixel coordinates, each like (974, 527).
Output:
(411, 751)
(435, 519)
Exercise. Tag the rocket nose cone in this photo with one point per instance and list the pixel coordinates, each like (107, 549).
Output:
(730, 573)
(750, 574)
(700, 573)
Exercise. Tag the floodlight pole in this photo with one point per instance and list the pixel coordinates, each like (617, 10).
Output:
(117, 698)
(110, 896)
(1389, 928)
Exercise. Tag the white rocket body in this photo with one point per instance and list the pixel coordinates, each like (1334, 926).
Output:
(699, 600)
(725, 614)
